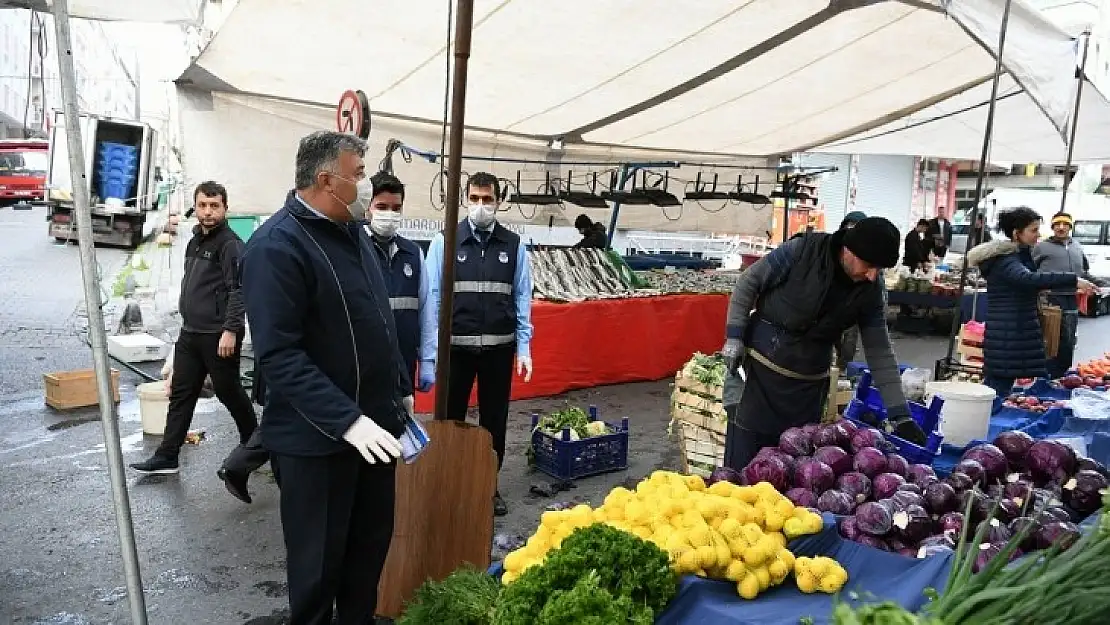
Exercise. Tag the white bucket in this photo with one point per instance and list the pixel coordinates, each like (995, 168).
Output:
(153, 405)
(966, 413)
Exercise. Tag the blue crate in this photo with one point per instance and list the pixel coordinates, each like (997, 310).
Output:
(856, 368)
(928, 417)
(565, 459)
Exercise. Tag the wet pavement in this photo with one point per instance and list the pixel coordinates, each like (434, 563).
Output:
(206, 558)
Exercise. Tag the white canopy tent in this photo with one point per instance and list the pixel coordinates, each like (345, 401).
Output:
(735, 77)
(165, 11)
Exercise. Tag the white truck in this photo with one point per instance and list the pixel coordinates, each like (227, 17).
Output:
(115, 220)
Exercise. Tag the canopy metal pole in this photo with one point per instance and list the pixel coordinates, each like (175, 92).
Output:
(987, 133)
(1080, 79)
(464, 23)
(626, 172)
(97, 335)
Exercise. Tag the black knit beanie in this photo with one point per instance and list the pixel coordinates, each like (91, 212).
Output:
(875, 241)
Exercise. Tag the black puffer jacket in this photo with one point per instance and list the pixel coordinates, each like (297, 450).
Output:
(1014, 343)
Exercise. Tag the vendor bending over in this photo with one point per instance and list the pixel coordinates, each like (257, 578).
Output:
(806, 293)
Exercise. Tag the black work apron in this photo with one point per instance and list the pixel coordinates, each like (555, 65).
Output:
(769, 403)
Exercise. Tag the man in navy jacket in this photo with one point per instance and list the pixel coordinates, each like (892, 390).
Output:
(326, 345)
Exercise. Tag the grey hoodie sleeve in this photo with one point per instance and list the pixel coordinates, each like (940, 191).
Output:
(881, 360)
(767, 273)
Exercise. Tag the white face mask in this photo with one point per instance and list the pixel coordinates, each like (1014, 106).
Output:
(482, 214)
(364, 193)
(384, 223)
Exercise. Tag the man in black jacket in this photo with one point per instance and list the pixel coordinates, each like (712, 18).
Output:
(938, 236)
(337, 395)
(593, 234)
(211, 308)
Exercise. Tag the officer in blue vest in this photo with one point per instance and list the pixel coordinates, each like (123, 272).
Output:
(491, 324)
(403, 263)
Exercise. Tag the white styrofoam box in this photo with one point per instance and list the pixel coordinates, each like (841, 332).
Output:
(140, 347)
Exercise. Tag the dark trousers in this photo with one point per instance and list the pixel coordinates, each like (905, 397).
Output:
(337, 521)
(1069, 325)
(742, 444)
(194, 358)
(493, 368)
(247, 457)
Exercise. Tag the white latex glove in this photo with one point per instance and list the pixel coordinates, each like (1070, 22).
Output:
(524, 367)
(375, 444)
(410, 405)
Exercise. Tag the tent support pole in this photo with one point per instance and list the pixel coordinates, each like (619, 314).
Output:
(957, 313)
(95, 315)
(464, 24)
(1080, 77)
(626, 172)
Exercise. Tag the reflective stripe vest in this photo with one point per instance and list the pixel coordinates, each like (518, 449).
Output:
(484, 308)
(401, 266)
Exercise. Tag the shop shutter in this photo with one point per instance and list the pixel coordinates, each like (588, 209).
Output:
(885, 188)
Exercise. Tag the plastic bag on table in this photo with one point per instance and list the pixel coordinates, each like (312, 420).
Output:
(1090, 412)
(913, 383)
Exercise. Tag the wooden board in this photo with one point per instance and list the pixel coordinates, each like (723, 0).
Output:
(444, 512)
(75, 389)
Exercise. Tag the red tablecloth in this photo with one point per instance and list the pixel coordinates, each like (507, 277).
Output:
(593, 343)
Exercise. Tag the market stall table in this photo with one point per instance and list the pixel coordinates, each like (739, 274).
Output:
(928, 300)
(593, 343)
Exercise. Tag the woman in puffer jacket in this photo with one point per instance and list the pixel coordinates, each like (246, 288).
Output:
(1014, 342)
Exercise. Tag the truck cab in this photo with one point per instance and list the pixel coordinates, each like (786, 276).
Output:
(119, 168)
(23, 167)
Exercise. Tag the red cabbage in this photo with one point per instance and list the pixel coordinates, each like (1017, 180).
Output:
(960, 482)
(1083, 492)
(940, 498)
(802, 497)
(869, 461)
(813, 474)
(1051, 460)
(912, 488)
(872, 541)
(849, 427)
(988, 552)
(1090, 464)
(980, 505)
(837, 459)
(796, 442)
(921, 474)
(1015, 446)
(991, 459)
(951, 522)
(897, 464)
(775, 452)
(725, 474)
(1063, 533)
(885, 484)
(868, 437)
(1017, 526)
(849, 529)
(1008, 510)
(856, 485)
(895, 543)
(912, 524)
(1018, 490)
(935, 545)
(1053, 514)
(972, 469)
(902, 499)
(909, 552)
(767, 469)
(874, 518)
(832, 435)
(811, 428)
(835, 502)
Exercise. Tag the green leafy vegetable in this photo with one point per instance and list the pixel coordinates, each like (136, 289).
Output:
(709, 370)
(635, 574)
(465, 597)
(571, 417)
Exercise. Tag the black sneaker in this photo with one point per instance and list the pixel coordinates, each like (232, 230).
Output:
(499, 507)
(236, 484)
(157, 465)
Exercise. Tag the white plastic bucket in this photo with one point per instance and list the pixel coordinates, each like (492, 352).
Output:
(966, 413)
(153, 405)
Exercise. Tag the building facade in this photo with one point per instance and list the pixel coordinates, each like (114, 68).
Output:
(107, 82)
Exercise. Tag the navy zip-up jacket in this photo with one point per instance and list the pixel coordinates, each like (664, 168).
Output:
(323, 332)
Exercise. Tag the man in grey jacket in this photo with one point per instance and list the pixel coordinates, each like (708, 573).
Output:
(1062, 253)
(786, 313)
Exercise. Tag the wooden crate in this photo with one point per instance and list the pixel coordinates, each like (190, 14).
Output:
(970, 349)
(697, 410)
(75, 389)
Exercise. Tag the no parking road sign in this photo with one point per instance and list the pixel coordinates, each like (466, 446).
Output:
(353, 114)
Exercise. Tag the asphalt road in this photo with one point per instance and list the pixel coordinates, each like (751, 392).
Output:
(205, 557)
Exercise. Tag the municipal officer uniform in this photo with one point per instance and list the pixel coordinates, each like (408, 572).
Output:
(403, 266)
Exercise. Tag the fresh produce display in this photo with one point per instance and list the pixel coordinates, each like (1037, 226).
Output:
(709, 370)
(467, 596)
(722, 530)
(681, 280)
(1033, 404)
(1096, 370)
(892, 505)
(578, 274)
(575, 419)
